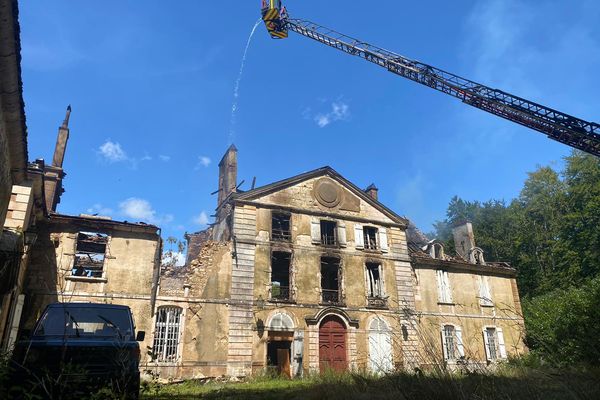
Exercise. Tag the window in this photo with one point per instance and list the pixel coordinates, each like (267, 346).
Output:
(476, 256)
(375, 291)
(444, 291)
(370, 237)
(166, 334)
(90, 253)
(328, 236)
(330, 280)
(452, 343)
(494, 343)
(280, 227)
(485, 296)
(380, 347)
(280, 276)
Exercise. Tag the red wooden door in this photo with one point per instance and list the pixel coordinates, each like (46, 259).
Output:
(332, 345)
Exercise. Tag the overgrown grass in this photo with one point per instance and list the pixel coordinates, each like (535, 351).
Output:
(510, 382)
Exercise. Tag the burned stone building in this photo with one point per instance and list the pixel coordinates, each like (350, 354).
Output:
(312, 272)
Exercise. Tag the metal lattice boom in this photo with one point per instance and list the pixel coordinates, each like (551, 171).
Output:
(575, 132)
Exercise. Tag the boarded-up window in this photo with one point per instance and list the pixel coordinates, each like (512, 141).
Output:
(90, 253)
(166, 334)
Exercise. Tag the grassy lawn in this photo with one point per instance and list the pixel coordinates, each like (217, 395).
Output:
(527, 384)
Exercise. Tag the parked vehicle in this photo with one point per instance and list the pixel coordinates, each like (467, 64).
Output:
(77, 349)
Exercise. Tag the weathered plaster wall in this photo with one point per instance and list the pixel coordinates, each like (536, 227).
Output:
(467, 312)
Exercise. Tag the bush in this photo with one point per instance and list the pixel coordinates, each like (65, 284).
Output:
(562, 326)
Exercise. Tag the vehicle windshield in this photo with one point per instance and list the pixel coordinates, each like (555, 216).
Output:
(85, 322)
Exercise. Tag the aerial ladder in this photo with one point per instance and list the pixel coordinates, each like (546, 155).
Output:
(564, 128)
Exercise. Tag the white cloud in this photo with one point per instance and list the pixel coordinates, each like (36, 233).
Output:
(339, 111)
(141, 210)
(205, 161)
(175, 258)
(112, 152)
(201, 219)
(98, 209)
(164, 158)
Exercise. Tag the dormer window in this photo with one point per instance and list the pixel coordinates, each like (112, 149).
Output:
(436, 250)
(476, 256)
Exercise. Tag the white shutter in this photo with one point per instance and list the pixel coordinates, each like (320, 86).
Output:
(501, 346)
(444, 349)
(440, 283)
(486, 344)
(459, 343)
(447, 288)
(315, 231)
(359, 238)
(341, 234)
(484, 292)
(383, 240)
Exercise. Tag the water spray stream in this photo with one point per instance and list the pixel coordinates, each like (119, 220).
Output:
(236, 90)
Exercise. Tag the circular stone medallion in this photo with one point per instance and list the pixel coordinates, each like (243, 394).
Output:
(327, 192)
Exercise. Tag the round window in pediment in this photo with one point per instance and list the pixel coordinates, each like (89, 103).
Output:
(327, 192)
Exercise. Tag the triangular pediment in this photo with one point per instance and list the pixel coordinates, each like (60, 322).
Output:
(322, 190)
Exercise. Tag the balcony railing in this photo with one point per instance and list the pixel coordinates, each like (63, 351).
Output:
(377, 302)
(281, 235)
(330, 296)
(280, 293)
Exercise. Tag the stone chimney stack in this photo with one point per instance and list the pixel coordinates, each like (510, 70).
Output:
(61, 141)
(464, 239)
(372, 190)
(54, 174)
(227, 174)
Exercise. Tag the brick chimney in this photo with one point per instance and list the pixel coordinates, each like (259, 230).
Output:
(54, 174)
(464, 239)
(227, 174)
(372, 190)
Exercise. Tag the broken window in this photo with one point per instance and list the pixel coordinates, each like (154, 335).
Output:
(280, 227)
(376, 296)
(370, 235)
(166, 334)
(280, 275)
(328, 233)
(330, 280)
(90, 253)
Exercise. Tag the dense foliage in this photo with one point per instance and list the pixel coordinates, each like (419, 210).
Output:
(551, 234)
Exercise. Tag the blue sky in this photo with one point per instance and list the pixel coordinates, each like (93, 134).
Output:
(151, 84)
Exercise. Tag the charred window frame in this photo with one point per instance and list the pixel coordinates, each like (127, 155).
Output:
(281, 264)
(90, 253)
(281, 227)
(375, 279)
(331, 278)
(328, 233)
(370, 236)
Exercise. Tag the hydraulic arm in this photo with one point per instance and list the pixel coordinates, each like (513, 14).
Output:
(572, 131)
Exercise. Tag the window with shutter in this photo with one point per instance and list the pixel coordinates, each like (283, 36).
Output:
(459, 342)
(315, 231)
(383, 240)
(359, 240)
(448, 341)
(444, 291)
(485, 296)
(341, 234)
(490, 340)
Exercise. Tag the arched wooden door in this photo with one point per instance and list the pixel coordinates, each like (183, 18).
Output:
(332, 345)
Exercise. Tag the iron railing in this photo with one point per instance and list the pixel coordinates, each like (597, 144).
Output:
(280, 293)
(329, 296)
